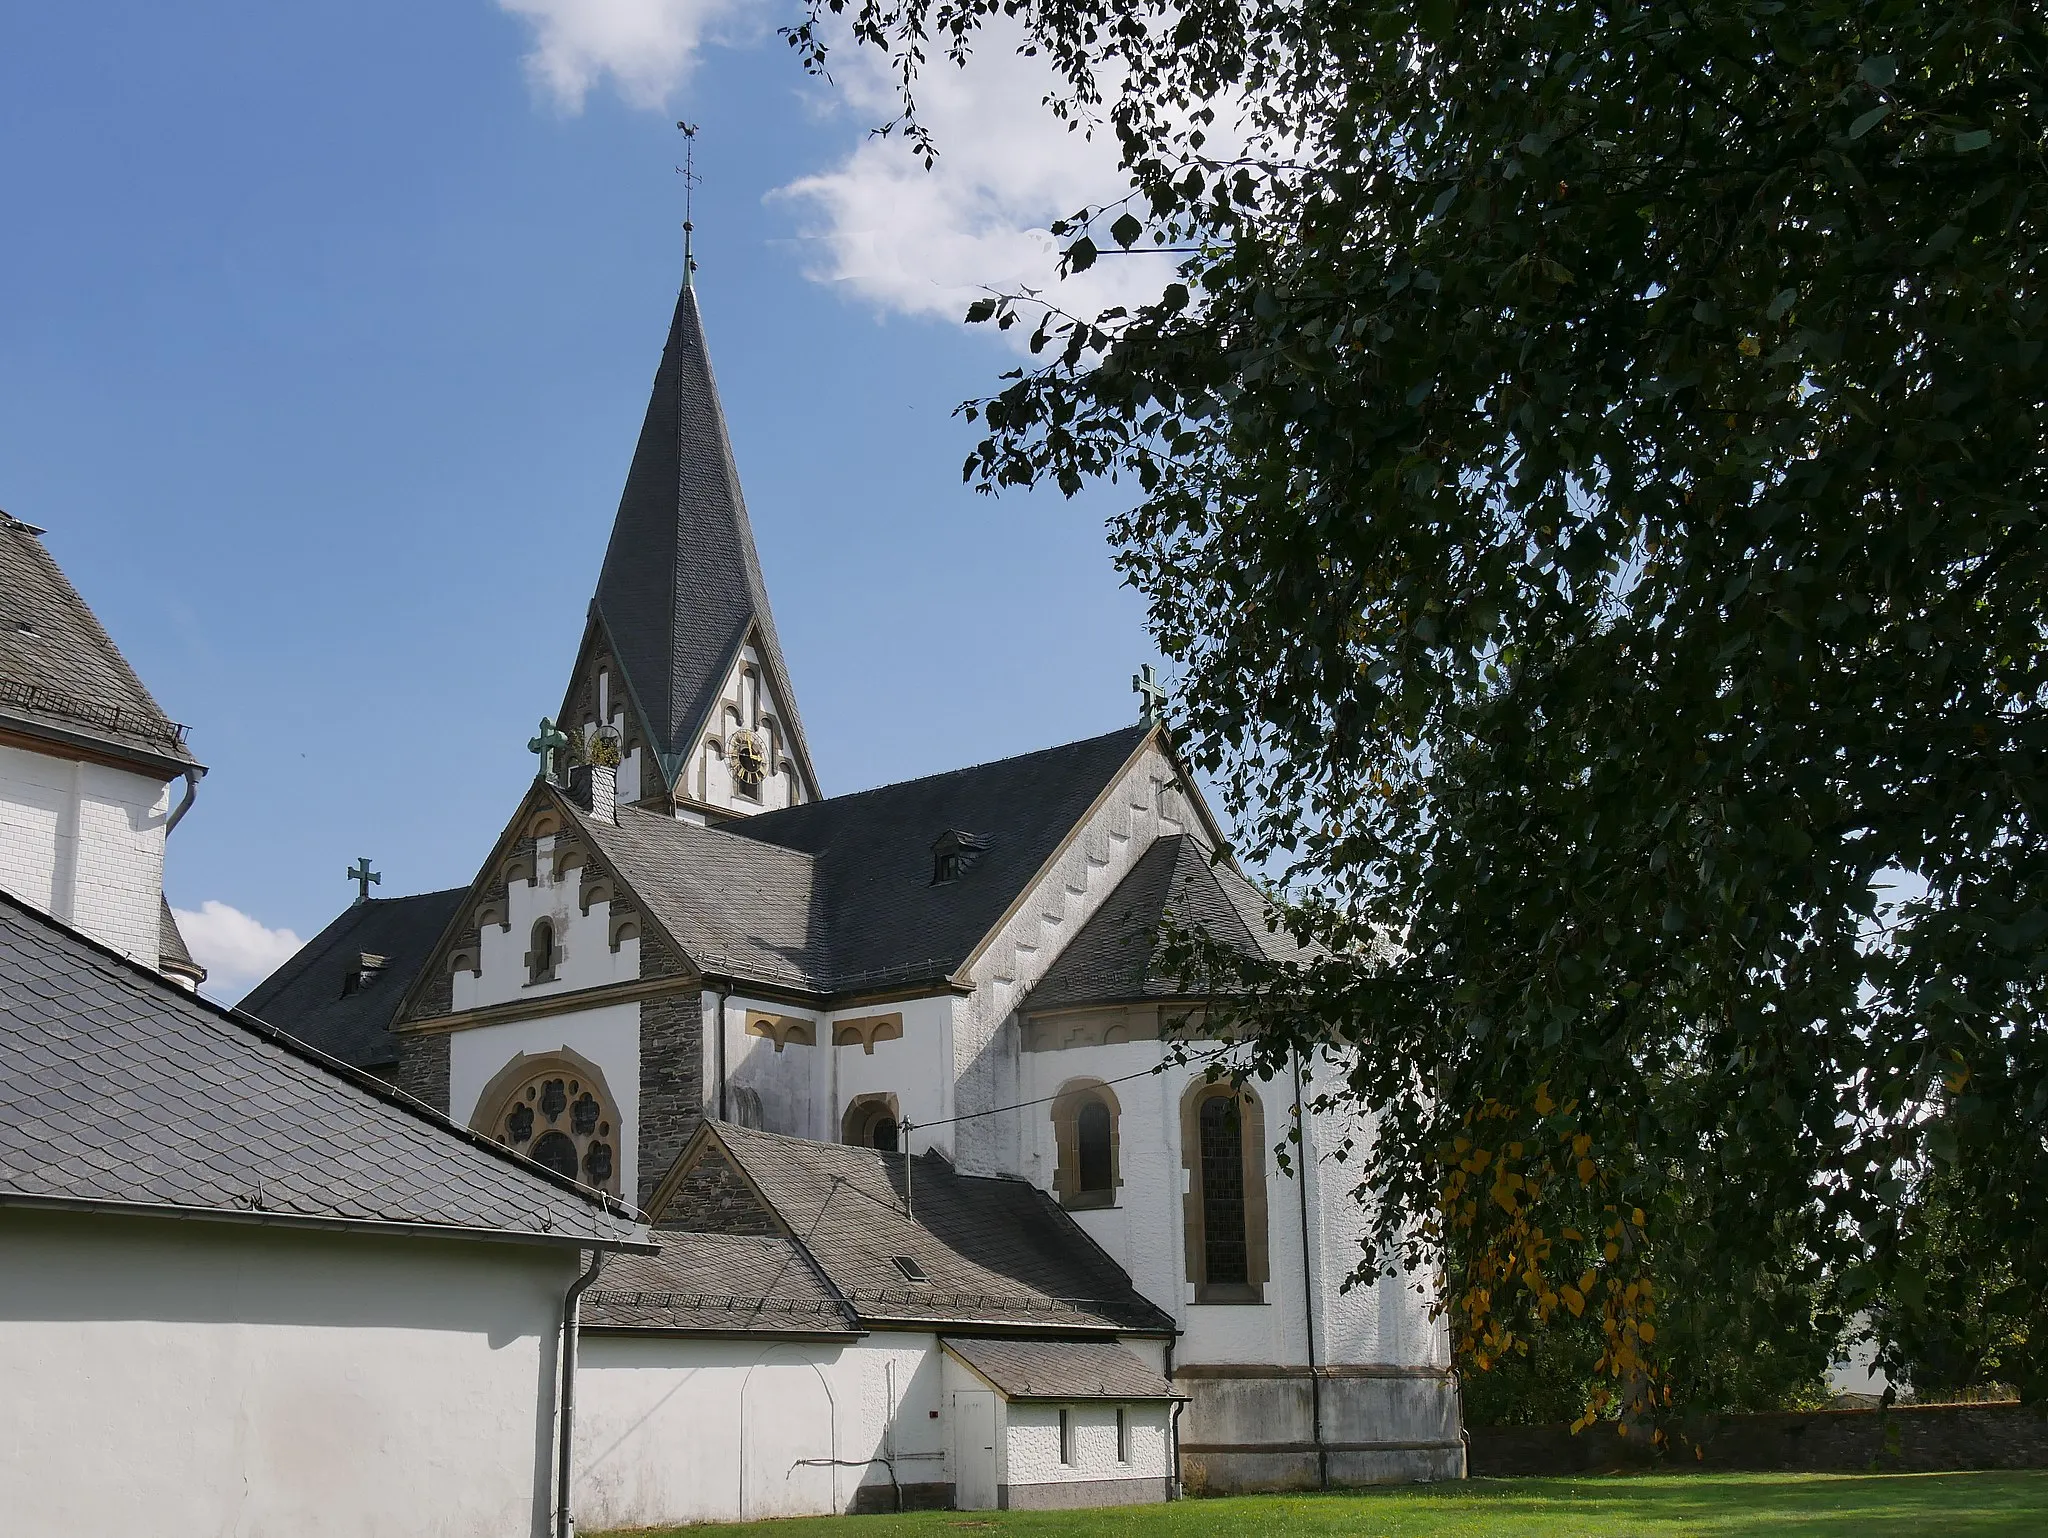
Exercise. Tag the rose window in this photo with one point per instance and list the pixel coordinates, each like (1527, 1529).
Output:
(560, 1121)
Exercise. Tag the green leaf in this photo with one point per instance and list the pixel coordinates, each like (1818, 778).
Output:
(1782, 302)
(1081, 255)
(1439, 19)
(1869, 120)
(981, 310)
(1880, 71)
(1125, 231)
(1975, 139)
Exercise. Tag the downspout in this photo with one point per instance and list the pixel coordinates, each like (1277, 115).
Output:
(565, 1425)
(1173, 1489)
(191, 795)
(1308, 1301)
(722, 996)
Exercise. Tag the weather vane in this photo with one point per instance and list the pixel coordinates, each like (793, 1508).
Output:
(688, 172)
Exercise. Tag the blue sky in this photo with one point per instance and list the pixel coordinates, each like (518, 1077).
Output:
(327, 333)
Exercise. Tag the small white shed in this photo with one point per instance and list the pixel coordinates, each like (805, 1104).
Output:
(1039, 1424)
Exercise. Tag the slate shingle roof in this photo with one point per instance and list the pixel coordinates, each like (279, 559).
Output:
(123, 1088)
(1112, 959)
(681, 584)
(718, 1284)
(837, 895)
(59, 670)
(305, 997)
(1071, 1369)
(996, 1251)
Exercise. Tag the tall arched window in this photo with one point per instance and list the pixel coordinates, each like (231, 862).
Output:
(541, 955)
(557, 1111)
(1085, 1117)
(1223, 1138)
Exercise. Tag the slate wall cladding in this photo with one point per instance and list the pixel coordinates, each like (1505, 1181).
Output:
(713, 1199)
(671, 1083)
(423, 1069)
(1913, 1439)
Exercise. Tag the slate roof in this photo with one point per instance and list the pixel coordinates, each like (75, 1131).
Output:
(1068, 1369)
(61, 674)
(996, 1251)
(122, 1088)
(681, 583)
(1112, 959)
(717, 1284)
(838, 895)
(306, 997)
(172, 953)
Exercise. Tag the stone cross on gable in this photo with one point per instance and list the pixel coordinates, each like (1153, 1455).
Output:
(552, 740)
(1153, 694)
(364, 878)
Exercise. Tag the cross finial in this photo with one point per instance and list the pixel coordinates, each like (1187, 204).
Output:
(1152, 694)
(688, 172)
(551, 740)
(364, 878)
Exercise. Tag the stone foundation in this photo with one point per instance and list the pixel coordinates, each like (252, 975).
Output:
(1254, 1428)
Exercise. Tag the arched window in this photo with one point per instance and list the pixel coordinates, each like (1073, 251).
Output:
(543, 953)
(1223, 1139)
(872, 1121)
(557, 1111)
(1085, 1121)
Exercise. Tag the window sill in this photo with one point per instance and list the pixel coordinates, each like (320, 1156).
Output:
(1090, 1201)
(1231, 1296)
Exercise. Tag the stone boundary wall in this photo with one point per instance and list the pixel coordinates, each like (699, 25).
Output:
(1918, 1439)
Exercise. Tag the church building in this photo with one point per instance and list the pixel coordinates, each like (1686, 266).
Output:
(951, 1209)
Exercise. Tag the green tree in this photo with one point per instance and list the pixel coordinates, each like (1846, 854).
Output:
(1590, 475)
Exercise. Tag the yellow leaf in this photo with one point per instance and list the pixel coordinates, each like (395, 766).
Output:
(1636, 1217)
(1613, 1250)
(1586, 1282)
(1587, 1171)
(1647, 1330)
(1582, 1144)
(1573, 1300)
(1544, 1104)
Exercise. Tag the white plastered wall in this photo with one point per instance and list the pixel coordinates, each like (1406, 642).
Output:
(1143, 805)
(189, 1379)
(748, 702)
(678, 1428)
(1031, 1440)
(608, 1037)
(583, 939)
(84, 842)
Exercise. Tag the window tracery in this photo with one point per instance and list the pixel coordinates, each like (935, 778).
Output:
(560, 1115)
(1223, 1137)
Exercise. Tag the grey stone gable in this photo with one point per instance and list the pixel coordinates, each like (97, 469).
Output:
(720, 1284)
(681, 588)
(60, 672)
(123, 1089)
(996, 1251)
(308, 997)
(1061, 1369)
(1113, 958)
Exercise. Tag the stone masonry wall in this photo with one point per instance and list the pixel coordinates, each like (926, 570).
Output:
(713, 1199)
(1917, 1439)
(671, 1083)
(423, 1069)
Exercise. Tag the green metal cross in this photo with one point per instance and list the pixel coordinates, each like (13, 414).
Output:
(552, 739)
(1153, 693)
(364, 878)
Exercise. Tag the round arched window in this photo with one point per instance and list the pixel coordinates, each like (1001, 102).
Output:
(559, 1116)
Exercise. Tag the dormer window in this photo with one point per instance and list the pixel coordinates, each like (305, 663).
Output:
(369, 966)
(954, 854)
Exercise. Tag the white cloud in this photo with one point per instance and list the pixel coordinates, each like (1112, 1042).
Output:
(236, 950)
(921, 242)
(877, 224)
(646, 48)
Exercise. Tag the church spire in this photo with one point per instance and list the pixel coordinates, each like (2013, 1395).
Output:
(683, 612)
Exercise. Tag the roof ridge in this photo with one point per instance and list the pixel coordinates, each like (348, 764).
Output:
(746, 826)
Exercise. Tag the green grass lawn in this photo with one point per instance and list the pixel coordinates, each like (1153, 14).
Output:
(1641, 1506)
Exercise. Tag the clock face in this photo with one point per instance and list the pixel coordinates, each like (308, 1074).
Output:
(749, 757)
